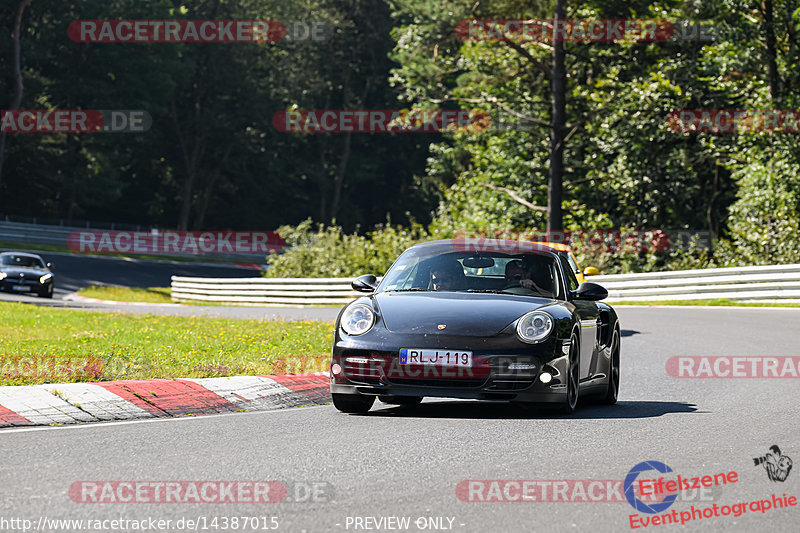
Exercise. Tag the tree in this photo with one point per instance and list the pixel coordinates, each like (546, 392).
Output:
(558, 127)
(16, 99)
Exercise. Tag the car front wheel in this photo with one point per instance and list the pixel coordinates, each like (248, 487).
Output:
(613, 376)
(572, 377)
(352, 403)
(46, 293)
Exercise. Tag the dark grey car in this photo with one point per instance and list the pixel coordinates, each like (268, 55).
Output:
(26, 273)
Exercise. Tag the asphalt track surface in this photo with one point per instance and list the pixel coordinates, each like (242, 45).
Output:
(395, 462)
(74, 271)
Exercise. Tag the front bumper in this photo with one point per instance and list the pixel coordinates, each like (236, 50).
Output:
(25, 286)
(500, 374)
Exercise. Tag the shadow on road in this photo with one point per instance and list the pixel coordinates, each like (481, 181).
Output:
(628, 333)
(501, 410)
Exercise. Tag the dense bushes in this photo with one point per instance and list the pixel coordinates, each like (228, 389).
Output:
(328, 252)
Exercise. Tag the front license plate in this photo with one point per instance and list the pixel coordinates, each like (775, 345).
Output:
(20, 288)
(414, 356)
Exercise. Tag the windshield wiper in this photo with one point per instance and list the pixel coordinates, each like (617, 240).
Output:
(491, 291)
(408, 290)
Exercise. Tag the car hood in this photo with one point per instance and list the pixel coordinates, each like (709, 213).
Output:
(14, 272)
(469, 314)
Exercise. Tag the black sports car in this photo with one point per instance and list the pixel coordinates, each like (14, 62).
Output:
(23, 272)
(478, 319)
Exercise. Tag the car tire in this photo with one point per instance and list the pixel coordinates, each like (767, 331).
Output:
(612, 393)
(572, 377)
(47, 293)
(352, 403)
(401, 400)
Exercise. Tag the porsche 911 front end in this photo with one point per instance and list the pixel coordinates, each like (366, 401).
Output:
(446, 357)
(456, 323)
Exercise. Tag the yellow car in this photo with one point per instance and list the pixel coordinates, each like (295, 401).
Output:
(564, 251)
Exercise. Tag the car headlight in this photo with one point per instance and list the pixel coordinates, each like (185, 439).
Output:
(3, 275)
(534, 326)
(46, 277)
(358, 319)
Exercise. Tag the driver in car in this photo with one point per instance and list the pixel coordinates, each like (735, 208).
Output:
(447, 277)
(517, 272)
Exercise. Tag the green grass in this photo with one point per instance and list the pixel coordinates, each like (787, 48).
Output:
(717, 302)
(33, 246)
(158, 295)
(45, 345)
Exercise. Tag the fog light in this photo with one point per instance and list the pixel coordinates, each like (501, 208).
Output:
(522, 366)
(546, 377)
(358, 360)
(336, 369)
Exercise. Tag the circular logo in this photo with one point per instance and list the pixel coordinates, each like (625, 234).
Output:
(630, 481)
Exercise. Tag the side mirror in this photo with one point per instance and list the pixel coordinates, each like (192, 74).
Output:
(591, 292)
(366, 283)
(591, 271)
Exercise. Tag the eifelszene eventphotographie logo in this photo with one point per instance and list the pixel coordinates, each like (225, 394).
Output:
(776, 464)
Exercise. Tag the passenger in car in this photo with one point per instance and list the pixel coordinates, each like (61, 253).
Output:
(532, 276)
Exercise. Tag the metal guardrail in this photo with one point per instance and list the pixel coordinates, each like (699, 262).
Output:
(776, 282)
(72, 223)
(745, 283)
(264, 291)
(35, 233)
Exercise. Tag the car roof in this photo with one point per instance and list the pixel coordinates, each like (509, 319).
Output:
(493, 245)
(560, 246)
(23, 254)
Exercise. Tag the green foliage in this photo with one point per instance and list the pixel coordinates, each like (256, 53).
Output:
(329, 252)
(214, 160)
(625, 167)
(765, 220)
(693, 257)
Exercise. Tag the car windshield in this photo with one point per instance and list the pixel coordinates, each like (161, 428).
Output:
(572, 263)
(21, 261)
(445, 267)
